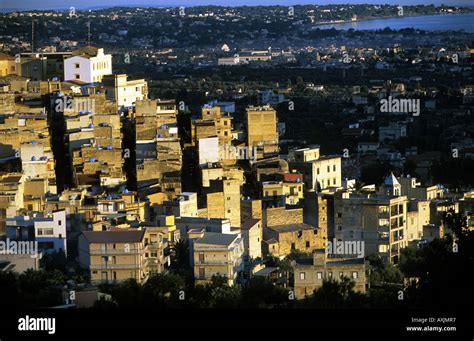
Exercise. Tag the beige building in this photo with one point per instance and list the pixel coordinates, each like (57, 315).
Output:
(117, 255)
(185, 205)
(252, 234)
(124, 92)
(280, 240)
(320, 174)
(217, 254)
(11, 196)
(288, 190)
(223, 200)
(262, 130)
(418, 216)
(8, 65)
(310, 277)
(379, 221)
(158, 149)
(222, 122)
(414, 190)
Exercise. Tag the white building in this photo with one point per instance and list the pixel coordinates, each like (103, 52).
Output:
(50, 233)
(320, 173)
(209, 150)
(229, 61)
(125, 92)
(88, 65)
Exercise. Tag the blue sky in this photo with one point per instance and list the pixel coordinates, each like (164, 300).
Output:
(61, 4)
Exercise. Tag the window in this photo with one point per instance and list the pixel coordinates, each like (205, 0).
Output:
(60, 222)
(329, 169)
(317, 171)
(330, 274)
(307, 244)
(292, 246)
(77, 66)
(341, 274)
(302, 276)
(334, 168)
(355, 275)
(319, 275)
(77, 76)
(45, 231)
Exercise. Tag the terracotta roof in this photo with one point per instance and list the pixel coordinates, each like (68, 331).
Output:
(4, 56)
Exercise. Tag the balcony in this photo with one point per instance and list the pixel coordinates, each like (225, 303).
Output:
(110, 252)
(213, 262)
(156, 261)
(154, 246)
(110, 266)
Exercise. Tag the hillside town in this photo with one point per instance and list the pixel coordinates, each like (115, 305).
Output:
(210, 186)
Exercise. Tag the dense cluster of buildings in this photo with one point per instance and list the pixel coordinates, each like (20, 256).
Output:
(93, 168)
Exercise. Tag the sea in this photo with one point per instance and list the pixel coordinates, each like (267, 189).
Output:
(444, 22)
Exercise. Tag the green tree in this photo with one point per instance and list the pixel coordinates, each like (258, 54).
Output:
(179, 252)
(336, 294)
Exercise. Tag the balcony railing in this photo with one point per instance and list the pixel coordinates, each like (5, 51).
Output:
(118, 252)
(213, 262)
(110, 266)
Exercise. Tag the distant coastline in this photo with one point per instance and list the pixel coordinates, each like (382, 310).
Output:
(97, 8)
(339, 22)
(397, 22)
